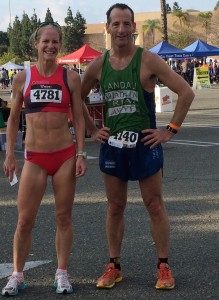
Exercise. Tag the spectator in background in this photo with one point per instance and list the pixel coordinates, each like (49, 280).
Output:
(10, 76)
(211, 71)
(3, 78)
(215, 71)
(75, 68)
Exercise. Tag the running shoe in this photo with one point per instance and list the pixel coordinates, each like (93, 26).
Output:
(14, 285)
(62, 284)
(109, 277)
(165, 278)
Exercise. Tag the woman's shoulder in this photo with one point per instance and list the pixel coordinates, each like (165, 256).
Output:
(20, 77)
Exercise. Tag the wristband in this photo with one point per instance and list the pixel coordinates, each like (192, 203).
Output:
(81, 153)
(174, 126)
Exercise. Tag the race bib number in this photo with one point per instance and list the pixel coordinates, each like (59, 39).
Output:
(122, 139)
(46, 93)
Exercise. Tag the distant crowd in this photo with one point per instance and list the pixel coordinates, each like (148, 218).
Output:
(186, 69)
(6, 77)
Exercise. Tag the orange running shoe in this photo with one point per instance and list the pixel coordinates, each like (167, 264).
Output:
(109, 277)
(165, 278)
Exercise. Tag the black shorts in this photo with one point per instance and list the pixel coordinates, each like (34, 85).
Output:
(131, 163)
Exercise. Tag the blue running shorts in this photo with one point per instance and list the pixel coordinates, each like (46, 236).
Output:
(131, 163)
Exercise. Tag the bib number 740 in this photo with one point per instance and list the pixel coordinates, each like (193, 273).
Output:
(124, 139)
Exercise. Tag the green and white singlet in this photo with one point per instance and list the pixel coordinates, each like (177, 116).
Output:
(127, 105)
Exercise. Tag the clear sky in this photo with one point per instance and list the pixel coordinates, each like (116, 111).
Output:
(94, 11)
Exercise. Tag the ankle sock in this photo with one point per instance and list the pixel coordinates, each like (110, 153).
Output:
(61, 271)
(162, 260)
(19, 275)
(116, 261)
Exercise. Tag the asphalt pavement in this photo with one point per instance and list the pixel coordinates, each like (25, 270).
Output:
(191, 192)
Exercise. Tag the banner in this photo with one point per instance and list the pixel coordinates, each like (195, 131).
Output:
(201, 79)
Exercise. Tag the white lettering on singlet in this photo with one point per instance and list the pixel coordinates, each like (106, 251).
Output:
(127, 109)
(121, 85)
(121, 94)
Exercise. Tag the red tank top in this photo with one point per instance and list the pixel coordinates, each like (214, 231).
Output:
(46, 94)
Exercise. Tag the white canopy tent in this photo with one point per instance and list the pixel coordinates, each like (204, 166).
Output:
(11, 66)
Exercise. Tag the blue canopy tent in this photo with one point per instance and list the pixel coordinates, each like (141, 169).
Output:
(201, 49)
(166, 50)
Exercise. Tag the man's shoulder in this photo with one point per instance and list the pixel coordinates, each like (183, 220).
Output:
(149, 57)
(96, 63)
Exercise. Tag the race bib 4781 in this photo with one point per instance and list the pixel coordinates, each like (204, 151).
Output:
(46, 93)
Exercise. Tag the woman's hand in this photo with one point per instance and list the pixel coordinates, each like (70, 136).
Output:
(10, 166)
(81, 166)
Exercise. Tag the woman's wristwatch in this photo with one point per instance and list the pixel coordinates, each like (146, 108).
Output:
(82, 153)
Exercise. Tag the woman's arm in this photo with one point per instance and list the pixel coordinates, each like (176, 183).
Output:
(10, 164)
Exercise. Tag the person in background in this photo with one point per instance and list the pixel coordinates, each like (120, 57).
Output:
(131, 143)
(11, 74)
(75, 68)
(185, 66)
(215, 68)
(211, 71)
(47, 90)
(3, 78)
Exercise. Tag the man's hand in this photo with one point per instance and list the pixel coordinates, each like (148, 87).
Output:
(156, 136)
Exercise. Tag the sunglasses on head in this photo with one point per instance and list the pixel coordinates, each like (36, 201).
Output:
(44, 24)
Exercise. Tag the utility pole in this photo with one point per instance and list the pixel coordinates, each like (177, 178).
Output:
(10, 11)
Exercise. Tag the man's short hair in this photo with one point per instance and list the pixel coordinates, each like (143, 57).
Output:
(120, 6)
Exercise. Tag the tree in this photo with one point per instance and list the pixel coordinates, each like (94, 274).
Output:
(176, 6)
(168, 8)
(214, 33)
(48, 18)
(73, 31)
(149, 27)
(80, 28)
(180, 15)
(15, 37)
(182, 39)
(163, 8)
(9, 56)
(216, 6)
(34, 22)
(26, 32)
(205, 19)
(4, 42)
(69, 32)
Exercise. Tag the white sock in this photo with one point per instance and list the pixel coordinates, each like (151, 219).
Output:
(61, 271)
(18, 274)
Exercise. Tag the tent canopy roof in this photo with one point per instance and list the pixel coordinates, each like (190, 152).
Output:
(83, 55)
(201, 49)
(11, 66)
(166, 50)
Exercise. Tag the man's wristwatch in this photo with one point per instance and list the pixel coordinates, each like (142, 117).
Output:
(81, 153)
(171, 129)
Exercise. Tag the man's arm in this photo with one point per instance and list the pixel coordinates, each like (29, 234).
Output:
(89, 81)
(157, 67)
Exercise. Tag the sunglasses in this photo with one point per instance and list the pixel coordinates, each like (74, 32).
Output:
(44, 24)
